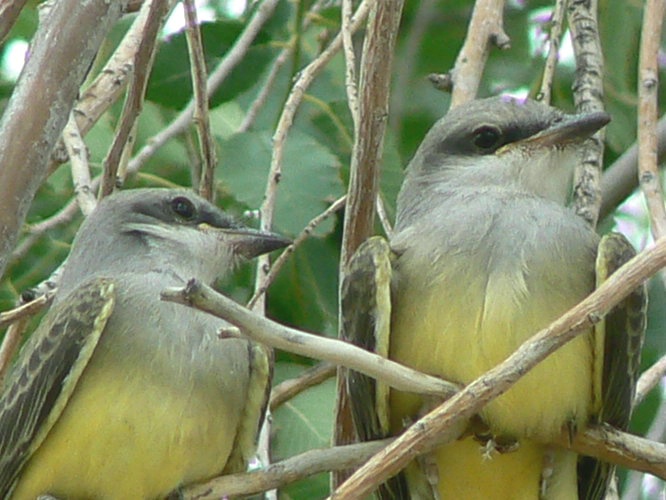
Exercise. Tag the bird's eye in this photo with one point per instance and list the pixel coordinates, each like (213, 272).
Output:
(183, 207)
(487, 137)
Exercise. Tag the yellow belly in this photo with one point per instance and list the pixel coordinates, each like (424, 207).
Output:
(458, 329)
(121, 438)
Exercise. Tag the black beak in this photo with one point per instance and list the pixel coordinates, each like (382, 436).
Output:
(573, 129)
(251, 243)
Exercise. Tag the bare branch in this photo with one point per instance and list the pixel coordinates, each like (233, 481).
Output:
(143, 62)
(620, 448)
(588, 95)
(602, 442)
(350, 63)
(270, 333)
(28, 309)
(412, 41)
(281, 59)
(285, 472)
(78, 158)
(288, 389)
(112, 80)
(485, 29)
(653, 16)
(234, 56)
(266, 89)
(305, 234)
(36, 231)
(367, 153)
(554, 39)
(305, 78)
(201, 116)
(369, 130)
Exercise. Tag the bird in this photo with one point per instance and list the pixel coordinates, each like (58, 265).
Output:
(486, 251)
(118, 394)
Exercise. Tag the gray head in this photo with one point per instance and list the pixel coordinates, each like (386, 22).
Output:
(168, 230)
(521, 145)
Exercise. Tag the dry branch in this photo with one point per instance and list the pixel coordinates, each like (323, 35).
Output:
(270, 333)
(648, 112)
(486, 28)
(588, 96)
(201, 116)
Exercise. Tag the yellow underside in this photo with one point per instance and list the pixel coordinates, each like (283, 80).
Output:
(121, 426)
(460, 329)
(466, 472)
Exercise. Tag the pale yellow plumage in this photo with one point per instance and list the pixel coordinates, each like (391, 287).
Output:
(471, 321)
(123, 414)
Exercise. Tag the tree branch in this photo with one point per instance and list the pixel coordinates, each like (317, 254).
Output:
(37, 111)
(270, 333)
(648, 76)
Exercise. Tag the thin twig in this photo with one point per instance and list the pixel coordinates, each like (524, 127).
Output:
(36, 231)
(554, 39)
(648, 85)
(485, 29)
(288, 389)
(351, 84)
(276, 66)
(588, 95)
(78, 158)
(407, 60)
(649, 380)
(231, 59)
(143, 62)
(267, 87)
(17, 319)
(305, 78)
(28, 309)
(287, 471)
(270, 333)
(201, 116)
(307, 231)
(436, 426)
(10, 344)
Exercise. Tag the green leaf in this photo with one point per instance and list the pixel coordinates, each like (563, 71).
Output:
(309, 181)
(301, 424)
(170, 83)
(305, 291)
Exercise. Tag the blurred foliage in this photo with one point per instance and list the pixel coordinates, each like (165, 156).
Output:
(316, 162)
